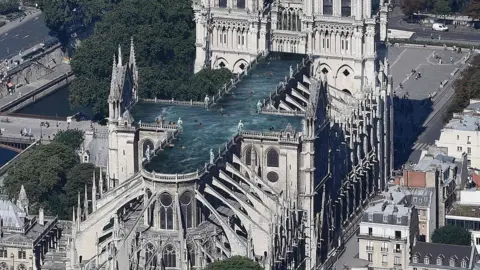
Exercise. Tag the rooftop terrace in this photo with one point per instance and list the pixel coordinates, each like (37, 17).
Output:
(212, 129)
(465, 211)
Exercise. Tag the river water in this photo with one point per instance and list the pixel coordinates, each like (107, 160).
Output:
(55, 104)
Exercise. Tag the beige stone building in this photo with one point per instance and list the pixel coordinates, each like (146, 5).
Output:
(387, 232)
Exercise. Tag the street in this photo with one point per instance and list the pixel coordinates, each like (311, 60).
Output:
(460, 34)
(22, 35)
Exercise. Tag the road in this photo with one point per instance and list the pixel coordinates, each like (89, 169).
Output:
(23, 35)
(458, 34)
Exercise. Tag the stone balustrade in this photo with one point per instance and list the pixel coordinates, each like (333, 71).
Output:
(190, 103)
(283, 112)
(166, 177)
(160, 126)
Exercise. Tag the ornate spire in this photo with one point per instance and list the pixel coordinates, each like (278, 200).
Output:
(113, 93)
(85, 203)
(22, 201)
(94, 193)
(132, 53)
(120, 62)
(79, 209)
(100, 183)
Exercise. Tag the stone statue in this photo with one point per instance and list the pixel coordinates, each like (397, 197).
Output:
(147, 152)
(212, 157)
(207, 100)
(259, 106)
(240, 126)
(180, 124)
(291, 71)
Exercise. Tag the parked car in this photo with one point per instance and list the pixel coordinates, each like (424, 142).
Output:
(439, 27)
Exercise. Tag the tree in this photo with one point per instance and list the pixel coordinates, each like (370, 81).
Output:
(442, 7)
(473, 9)
(234, 263)
(72, 138)
(452, 235)
(43, 174)
(77, 178)
(410, 7)
(164, 36)
(8, 6)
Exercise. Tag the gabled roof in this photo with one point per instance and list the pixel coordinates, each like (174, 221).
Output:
(434, 251)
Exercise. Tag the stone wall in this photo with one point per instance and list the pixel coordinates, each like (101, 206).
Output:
(34, 69)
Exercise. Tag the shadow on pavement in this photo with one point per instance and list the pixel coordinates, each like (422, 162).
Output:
(409, 116)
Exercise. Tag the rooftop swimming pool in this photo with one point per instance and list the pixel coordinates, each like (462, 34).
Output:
(210, 129)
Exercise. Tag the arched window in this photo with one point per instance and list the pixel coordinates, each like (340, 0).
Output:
(426, 260)
(280, 20)
(222, 3)
(169, 256)
(439, 261)
(150, 257)
(191, 255)
(327, 7)
(187, 212)
(166, 211)
(249, 158)
(464, 263)
(452, 262)
(3, 266)
(240, 3)
(272, 158)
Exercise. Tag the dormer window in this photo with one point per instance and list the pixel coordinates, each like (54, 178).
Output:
(464, 263)
(415, 259)
(399, 220)
(439, 261)
(426, 260)
(370, 217)
(452, 262)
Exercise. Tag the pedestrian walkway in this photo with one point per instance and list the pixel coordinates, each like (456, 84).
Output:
(32, 13)
(420, 146)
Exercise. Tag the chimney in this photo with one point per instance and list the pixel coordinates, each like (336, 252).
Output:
(40, 217)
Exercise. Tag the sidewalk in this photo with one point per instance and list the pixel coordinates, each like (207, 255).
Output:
(31, 14)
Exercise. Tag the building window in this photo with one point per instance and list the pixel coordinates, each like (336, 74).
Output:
(3, 253)
(272, 158)
(426, 260)
(346, 45)
(399, 220)
(85, 158)
(459, 148)
(384, 258)
(477, 241)
(452, 262)
(124, 152)
(191, 255)
(240, 3)
(370, 216)
(248, 156)
(458, 137)
(166, 211)
(385, 219)
(222, 3)
(327, 7)
(346, 8)
(169, 256)
(469, 162)
(187, 212)
(415, 259)
(464, 263)
(370, 257)
(397, 261)
(343, 45)
(439, 261)
(22, 254)
(469, 150)
(150, 257)
(398, 234)
(370, 231)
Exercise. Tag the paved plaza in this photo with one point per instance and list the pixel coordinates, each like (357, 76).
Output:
(416, 109)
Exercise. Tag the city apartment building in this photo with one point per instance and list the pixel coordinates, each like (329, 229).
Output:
(437, 171)
(466, 213)
(387, 232)
(432, 256)
(462, 134)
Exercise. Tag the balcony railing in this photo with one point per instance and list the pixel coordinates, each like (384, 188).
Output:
(384, 249)
(371, 235)
(369, 248)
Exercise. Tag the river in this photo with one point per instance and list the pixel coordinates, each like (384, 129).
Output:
(55, 104)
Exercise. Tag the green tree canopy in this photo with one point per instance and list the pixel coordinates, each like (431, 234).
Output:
(452, 235)
(8, 6)
(70, 137)
(77, 178)
(410, 7)
(442, 7)
(163, 33)
(473, 9)
(234, 263)
(42, 173)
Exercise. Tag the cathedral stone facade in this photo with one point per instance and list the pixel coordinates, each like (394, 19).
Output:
(283, 196)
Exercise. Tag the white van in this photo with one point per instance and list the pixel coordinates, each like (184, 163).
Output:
(439, 27)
